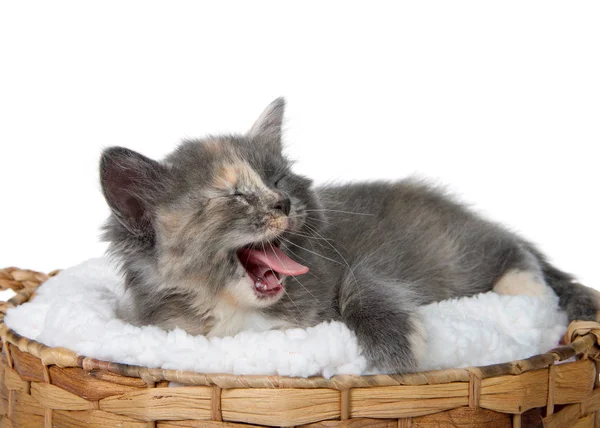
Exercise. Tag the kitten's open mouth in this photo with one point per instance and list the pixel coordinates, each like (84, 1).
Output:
(266, 268)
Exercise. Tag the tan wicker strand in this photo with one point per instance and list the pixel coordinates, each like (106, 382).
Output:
(161, 404)
(592, 403)
(551, 388)
(48, 418)
(474, 388)
(215, 403)
(46, 372)
(13, 381)
(10, 409)
(283, 407)
(9, 359)
(53, 397)
(19, 279)
(43, 386)
(581, 328)
(567, 417)
(345, 404)
(517, 421)
(405, 423)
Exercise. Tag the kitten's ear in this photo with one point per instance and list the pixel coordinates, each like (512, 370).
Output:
(130, 183)
(269, 122)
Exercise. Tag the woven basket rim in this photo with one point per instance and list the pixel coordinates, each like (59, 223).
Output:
(581, 338)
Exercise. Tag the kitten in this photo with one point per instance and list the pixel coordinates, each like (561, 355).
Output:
(223, 236)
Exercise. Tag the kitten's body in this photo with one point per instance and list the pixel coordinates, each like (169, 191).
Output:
(376, 251)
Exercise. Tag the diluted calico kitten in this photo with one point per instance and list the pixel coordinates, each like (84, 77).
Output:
(222, 236)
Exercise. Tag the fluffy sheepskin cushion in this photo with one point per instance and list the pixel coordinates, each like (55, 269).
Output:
(76, 310)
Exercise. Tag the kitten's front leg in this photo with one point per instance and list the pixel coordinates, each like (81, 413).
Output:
(383, 316)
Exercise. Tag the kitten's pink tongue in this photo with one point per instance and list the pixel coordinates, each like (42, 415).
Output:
(261, 263)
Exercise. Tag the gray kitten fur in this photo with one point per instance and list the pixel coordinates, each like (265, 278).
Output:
(376, 251)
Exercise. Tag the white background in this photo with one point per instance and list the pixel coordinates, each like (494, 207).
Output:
(498, 100)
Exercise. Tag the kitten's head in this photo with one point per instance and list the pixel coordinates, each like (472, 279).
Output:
(213, 219)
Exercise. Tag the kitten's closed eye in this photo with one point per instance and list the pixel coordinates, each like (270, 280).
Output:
(248, 198)
(279, 179)
(241, 197)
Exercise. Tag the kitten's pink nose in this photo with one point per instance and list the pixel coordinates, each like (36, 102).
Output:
(283, 204)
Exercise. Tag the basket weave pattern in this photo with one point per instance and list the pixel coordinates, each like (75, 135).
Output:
(54, 387)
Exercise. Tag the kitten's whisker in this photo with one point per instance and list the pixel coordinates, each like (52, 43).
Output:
(306, 218)
(324, 224)
(304, 260)
(331, 245)
(311, 237)
(338, 211)
(312, 252)
(298, 323)
(350, 270)
(313, 229)
(296, 233)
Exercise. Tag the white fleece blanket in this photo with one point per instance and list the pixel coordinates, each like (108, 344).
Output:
(76, 310)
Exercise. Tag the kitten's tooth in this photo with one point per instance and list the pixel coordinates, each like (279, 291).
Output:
(260, 284)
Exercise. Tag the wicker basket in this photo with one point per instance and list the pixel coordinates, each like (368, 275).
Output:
(54, 387)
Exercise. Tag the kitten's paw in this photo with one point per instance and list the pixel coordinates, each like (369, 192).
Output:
(398, 350)
(418, 340)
